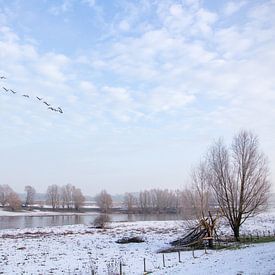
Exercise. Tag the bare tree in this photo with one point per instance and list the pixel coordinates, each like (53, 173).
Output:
(129, 202)
(13, 201)
(78, 198)
(53, 196)
(104, 201)
(199, 198)
(5, 190)
(66, 196)
(239, 178)
(30, 195)
(145, 201)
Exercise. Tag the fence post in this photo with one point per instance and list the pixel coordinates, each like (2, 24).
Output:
(163, 260)
(179, 256)
(193, 253)
(120, 268)
(205, 250)
(144, 265)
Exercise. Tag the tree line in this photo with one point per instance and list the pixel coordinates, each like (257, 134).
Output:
(230, 181)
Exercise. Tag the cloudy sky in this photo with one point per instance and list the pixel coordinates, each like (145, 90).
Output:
(145, 86)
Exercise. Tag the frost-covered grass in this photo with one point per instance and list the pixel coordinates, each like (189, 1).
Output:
(78, 249)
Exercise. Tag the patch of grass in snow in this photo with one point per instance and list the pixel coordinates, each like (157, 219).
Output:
(266, 239)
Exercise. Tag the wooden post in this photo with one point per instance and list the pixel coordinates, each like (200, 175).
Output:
(93, 272)
(120, 268)
(163, 260)
(251, 239)
(193, 253)
(258, 235)
(144, 265)
(205, 250)
(179, 256)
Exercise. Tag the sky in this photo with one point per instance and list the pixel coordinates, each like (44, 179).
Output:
(145, 88)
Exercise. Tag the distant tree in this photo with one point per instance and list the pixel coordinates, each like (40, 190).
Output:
(5, 191)
(104, 201)
(239, 178)
(78, 198)
(66, 196)
(129, 202)
(30, 195)
(53, 196)
(13, 201)
(145, 201)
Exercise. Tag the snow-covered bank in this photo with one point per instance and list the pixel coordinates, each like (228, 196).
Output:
(77, 249)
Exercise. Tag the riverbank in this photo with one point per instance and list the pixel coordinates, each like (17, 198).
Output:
(79, 248)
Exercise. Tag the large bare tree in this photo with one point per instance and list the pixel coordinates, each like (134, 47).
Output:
(239, 178)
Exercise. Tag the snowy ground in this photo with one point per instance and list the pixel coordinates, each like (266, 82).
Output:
(77, 249)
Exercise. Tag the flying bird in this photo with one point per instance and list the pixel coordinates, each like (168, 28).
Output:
(60, 110)
(39, 98)
(13, 91)
(5, 89)
(53, 109)
(46, 103)
(3, 77)
(26, 96)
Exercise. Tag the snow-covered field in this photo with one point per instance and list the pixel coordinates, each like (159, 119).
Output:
(78, 249)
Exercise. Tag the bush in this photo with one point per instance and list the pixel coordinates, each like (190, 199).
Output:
(101, 221)
(130, 240)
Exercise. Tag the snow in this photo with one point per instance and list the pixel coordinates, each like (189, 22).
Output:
(76, 249)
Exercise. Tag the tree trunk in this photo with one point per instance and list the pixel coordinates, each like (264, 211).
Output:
(236, 231)
(210, 243)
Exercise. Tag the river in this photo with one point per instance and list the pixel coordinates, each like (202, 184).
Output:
(16, 222)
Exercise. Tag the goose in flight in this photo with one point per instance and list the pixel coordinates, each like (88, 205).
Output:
(60, 110)
(39, 98)
(13, 91)
(53, 109)
(3, 77)
(26, 96)
(5, 89)
(46, 103)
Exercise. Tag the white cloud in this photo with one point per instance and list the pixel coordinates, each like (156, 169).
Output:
(124, 25)
(232, 7)
(62, 8)
(90, 3)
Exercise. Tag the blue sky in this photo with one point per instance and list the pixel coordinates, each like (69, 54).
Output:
(146, 86)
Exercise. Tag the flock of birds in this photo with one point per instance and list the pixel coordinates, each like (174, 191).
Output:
(58, 109)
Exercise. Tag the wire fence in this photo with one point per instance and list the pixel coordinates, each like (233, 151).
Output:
(163, 261)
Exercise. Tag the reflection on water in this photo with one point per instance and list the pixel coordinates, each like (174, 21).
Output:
(27, 222)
